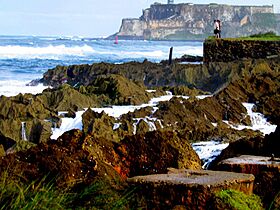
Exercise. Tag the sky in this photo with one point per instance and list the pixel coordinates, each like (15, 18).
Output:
(87, 18)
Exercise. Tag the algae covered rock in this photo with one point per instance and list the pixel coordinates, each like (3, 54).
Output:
(119, 90)
(35, 130)
(99, 124)
(65, 98)
(24, 107)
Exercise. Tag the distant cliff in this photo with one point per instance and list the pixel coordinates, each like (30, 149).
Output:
(195, 21)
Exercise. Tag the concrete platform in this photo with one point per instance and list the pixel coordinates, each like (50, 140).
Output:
(250, 164)
(192, 188)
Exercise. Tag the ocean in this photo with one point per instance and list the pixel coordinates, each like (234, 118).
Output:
(24, 58)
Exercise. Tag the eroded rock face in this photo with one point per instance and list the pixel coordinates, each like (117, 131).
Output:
(76, 156)
(70, 159)
(154, 152)
(65, 98)
(119, 90)
(99, 124)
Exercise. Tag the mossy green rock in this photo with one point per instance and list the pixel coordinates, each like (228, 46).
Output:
(120, 90)
(66, 97)
(99, 125)
(235, 200)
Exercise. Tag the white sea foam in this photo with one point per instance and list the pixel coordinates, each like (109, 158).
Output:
(208, 151)
(58, 52)
(259, 122)
(113, 111)
(14, 87)
(48, 52)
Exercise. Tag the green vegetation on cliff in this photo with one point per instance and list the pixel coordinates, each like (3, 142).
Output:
(268, 36)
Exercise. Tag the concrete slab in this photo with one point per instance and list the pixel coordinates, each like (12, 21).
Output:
(188, 187)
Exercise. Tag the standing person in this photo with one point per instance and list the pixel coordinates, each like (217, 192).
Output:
(217, 29)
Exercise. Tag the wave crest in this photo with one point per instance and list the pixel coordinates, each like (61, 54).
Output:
(50, 51)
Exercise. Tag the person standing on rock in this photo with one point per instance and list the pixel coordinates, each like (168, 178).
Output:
(217, 28)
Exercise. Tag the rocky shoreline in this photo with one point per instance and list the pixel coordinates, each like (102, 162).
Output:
(150, 139)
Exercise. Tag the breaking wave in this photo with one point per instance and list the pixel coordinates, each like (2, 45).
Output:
(48, 52)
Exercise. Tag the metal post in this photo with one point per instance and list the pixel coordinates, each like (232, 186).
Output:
(170, 56)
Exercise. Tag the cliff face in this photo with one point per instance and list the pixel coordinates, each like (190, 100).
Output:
(188, 21)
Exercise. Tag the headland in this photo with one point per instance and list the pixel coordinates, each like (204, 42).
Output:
(189, 21)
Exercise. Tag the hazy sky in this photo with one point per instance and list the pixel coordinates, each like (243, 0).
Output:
(90, 18)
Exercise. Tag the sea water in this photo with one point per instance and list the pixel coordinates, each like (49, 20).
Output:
(24, 58)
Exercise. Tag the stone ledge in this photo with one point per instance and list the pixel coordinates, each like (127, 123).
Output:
(192, 188)
(250, 164)
(226, 50)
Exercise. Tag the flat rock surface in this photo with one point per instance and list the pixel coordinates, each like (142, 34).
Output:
(255, 160)
(194, 177)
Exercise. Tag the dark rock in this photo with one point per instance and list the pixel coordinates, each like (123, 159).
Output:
(119, 90)
(70, 160)
(99, 124)
(65, 98)
(5, 143)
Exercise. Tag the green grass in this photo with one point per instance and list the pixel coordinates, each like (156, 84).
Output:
(269, 36)
(232, 199)
(15, 193)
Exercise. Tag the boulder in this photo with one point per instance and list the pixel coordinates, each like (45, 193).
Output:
(72, 159)
(24, 107)
(154, 152)
(99, 124)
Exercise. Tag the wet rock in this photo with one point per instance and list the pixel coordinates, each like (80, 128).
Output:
(258, 146)
(35, 130)
(119, 90)
(2, 150)
(186, 91)
(99, 124)
(142, 127)
(208, 77)
(67, 98)
(5, 143)
(24, 107)
(38, 131)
